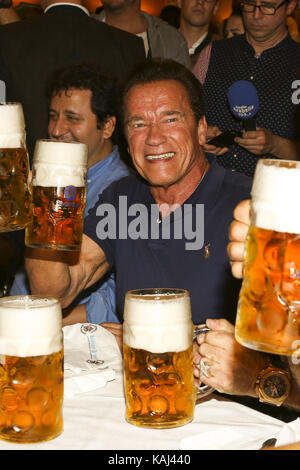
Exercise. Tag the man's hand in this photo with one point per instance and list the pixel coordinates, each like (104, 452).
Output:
(233, 368)
(117, 330)
(263, 141)
(237, 236)
(259, 142)
(213, 131)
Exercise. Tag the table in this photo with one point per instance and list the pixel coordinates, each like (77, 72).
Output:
(95, 420)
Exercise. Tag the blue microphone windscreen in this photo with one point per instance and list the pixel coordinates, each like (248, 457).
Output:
(243, 99)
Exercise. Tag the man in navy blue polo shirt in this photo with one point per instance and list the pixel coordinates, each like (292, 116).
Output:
(166, 227)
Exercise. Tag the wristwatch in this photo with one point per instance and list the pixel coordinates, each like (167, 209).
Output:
(273, 385)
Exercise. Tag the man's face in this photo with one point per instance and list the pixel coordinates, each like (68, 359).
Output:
(117, 4)
(71, 119)
(198, 12)
(162, 134)
(263, 27)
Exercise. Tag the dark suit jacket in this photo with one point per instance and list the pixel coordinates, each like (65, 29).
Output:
(31, 50)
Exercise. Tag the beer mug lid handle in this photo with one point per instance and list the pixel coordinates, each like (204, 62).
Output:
(203, 390)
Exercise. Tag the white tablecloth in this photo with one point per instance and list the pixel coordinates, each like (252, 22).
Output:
(95, 420)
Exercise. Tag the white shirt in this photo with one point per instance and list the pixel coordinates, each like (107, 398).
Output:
(197, 43)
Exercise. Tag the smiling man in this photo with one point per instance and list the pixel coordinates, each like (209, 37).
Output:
(267, 57)
(165, 127)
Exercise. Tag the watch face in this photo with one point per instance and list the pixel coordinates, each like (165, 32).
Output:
(275, 386)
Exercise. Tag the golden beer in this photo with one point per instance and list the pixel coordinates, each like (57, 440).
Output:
(57, 217)
(158, 358)
(159, 388)
(268, 317)
(58, 195)
(15, 198)
(31, 369)
(31, 397)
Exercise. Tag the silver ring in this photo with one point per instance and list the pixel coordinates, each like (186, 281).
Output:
(204, 368)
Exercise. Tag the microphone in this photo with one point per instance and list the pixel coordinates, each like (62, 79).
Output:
(243, 102)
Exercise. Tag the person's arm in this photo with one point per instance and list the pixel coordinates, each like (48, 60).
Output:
(74, 315)
(263, 141)
(50, 272)
(233, 367)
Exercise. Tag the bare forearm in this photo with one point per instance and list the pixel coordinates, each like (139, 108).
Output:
(65, 274)
(48, 273)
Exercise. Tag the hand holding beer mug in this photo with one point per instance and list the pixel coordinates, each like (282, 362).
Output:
(268, 317)
(31, 369)
(58, 195)
(15, 198)
(158, 358)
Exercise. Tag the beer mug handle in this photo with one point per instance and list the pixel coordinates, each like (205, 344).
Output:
(203, 390)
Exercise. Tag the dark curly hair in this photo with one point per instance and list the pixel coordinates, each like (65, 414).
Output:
(87, 77)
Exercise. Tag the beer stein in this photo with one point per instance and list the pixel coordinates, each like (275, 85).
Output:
(31, 369)
(268, 317)
(158, 358)
(15, 198)
(58, 195)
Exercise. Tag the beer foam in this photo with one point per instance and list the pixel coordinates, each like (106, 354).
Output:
(12, 126)
(59, 164)
(156, 325)
(30, 326)
(275, 195)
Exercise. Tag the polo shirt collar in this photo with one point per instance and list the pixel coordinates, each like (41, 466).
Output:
(208, 191)
(276, 47)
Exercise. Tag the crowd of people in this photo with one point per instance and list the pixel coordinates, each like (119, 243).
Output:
(122, 75)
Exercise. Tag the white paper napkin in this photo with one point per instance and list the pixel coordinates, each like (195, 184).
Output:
(289, 434)
(223, 425)
(91, 356)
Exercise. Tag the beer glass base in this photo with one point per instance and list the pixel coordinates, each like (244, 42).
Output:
(23, 439)
(13, 227)
(149, 422)
(267, 348)
(53, 246)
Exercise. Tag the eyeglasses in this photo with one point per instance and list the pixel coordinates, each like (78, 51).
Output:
(264, 9)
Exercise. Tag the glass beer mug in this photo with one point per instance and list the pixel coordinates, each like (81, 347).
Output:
(158, 358)
(268, 317)
(31, 369)
(58, 195)
(15, 198)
